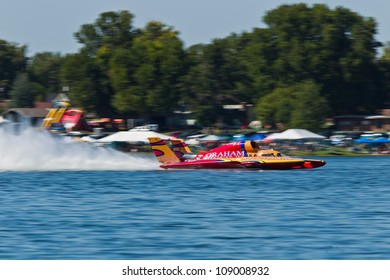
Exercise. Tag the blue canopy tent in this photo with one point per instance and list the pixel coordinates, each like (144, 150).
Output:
(249, 136)
(366, 140)
(256, 137)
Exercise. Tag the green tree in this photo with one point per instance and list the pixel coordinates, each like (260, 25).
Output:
(147, 76)
(201, 85)
(296, 106)
(384, 77)
(12, 61)
(88, 73)
(257, 53)
(334, 48)
(216, 77)
(89, 86)
(386, 52)
(109, 31)
(44, 72)
(22, 93)
(309, 107)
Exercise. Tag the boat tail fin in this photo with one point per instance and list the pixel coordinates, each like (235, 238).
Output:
(161, 150)
(180, 148)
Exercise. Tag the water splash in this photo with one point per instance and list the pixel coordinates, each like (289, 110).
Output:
(33, 149)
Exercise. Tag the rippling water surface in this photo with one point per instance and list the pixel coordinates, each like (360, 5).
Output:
(65, 200)
(339, 211)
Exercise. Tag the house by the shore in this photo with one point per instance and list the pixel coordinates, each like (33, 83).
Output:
(380, 122)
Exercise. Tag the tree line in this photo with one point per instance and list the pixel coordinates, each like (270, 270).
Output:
(309, 63)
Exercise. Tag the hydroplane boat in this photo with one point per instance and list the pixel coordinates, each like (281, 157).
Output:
(243, 154)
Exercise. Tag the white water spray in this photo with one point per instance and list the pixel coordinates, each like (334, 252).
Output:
(32, 149)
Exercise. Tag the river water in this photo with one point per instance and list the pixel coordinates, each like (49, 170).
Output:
(70, 201)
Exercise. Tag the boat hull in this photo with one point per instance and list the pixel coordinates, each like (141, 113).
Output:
(203, 164)
(250, 164)
(284, 164)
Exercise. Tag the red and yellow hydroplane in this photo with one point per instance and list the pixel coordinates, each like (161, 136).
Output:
(244, 154)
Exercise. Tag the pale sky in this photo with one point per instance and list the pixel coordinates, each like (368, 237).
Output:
(49, 25)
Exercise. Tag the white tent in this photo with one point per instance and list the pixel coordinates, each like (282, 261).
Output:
(295, 134)
(194, 139)
(139, 136)
(209, 138)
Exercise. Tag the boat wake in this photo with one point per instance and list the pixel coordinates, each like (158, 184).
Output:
(36, 150)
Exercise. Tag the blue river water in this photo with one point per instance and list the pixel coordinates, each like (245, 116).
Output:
(339, 211)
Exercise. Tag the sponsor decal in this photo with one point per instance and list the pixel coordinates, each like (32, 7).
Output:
(224, 154)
